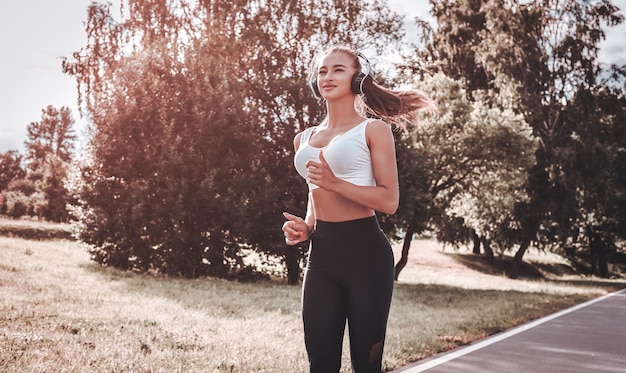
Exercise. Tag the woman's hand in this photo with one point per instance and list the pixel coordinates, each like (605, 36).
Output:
(320, 174)
(295, 229)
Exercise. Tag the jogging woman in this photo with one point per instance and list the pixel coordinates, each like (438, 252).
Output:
(349, 164)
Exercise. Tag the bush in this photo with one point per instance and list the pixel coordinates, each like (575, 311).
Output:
(19, 204)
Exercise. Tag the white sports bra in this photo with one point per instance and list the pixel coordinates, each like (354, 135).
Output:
(347, 155)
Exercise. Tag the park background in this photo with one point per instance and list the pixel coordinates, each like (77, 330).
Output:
(183, 168)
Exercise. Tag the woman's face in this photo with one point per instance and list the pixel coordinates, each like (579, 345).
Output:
(334, 75)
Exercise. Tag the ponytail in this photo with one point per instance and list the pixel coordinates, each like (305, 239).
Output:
(392, 106)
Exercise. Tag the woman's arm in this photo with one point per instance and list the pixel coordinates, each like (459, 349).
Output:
(295, 228)
(383, 197)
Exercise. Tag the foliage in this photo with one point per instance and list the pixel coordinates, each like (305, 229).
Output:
(52, 135)
(449, 162)
(592, 158)
(181, 181)
(487, 203)
(49, 149)
(168, 169)
(533, 58)
(24, 197)
(10, 168)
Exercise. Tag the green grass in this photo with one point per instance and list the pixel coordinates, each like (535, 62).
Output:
(59, 312)
(34, 230)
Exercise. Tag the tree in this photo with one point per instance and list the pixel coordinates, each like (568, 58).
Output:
(54, 134)
(276, 50)
(591, 160)
(532, 58)
(49, 147)
(212, 148)
(10, 168)
(570, 36)
(165, 189)
(455, 156)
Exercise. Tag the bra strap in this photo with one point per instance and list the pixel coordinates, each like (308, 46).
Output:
(305, 135)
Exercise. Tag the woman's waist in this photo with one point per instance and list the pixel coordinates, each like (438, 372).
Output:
(349, 243)
(355, 230)
(332, 207)
(359, 226)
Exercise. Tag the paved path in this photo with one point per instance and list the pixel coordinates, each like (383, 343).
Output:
(587, 338)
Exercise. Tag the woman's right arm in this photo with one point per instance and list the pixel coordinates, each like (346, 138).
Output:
(296, 229)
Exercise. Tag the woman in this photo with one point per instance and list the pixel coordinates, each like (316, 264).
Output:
(349, 164)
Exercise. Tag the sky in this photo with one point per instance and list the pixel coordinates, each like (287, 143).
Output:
(36, 34)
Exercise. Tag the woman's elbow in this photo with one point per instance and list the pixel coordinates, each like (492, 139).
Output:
(390, 207)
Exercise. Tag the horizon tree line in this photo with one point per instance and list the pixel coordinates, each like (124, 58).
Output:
(194, 106)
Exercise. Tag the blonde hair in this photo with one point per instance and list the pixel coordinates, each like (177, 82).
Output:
(390, 105)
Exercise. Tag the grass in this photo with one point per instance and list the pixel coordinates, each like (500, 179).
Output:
(33, 229)
(60, 312)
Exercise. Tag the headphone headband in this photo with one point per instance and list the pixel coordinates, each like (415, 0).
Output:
(369, 71)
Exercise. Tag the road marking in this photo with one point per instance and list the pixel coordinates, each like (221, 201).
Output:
(461, 351)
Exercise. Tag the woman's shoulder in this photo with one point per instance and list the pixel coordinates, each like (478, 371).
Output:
(377, 131)
(377, 127)
(301, 136)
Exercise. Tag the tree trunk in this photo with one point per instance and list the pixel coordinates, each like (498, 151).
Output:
(405, 250)
(597, 249)
(476, 249)
(487, 248)
(216, 256)
(517, 260)
(292, 261)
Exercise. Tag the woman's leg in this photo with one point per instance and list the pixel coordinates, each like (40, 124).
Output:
(349, 275)
(370, 299)
(324, 317)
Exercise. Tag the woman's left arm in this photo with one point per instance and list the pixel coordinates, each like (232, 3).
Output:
(385, 195)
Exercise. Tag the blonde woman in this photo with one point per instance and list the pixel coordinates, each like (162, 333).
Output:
(349, 164)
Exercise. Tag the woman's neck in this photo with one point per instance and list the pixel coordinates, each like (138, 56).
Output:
(342, 114)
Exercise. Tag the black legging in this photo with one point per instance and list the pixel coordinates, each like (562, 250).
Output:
(349, 276)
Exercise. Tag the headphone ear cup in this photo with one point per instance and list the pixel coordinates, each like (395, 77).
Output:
(357, 82)
(314, 88)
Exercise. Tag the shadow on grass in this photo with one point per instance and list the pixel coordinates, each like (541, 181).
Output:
(557, 273)
(213, 296)
(498, 266)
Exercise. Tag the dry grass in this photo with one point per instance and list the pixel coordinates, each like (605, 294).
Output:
(59, 312)
(33, 229)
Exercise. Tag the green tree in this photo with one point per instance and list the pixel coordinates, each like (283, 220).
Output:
(23, 197)
(194, 109)
(456, 155)
(534, 58)
(592, 160)
(54, 134)
(276, 50)
(165, 188)
(10, 168)
(49, 148)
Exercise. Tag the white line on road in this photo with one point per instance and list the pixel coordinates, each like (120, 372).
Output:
(499, 337)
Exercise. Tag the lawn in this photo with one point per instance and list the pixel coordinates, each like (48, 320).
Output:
(60, 312)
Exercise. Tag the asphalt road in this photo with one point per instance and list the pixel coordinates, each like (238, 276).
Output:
(587, 338)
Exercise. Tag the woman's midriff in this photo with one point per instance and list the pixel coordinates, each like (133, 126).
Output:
(332, 207)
